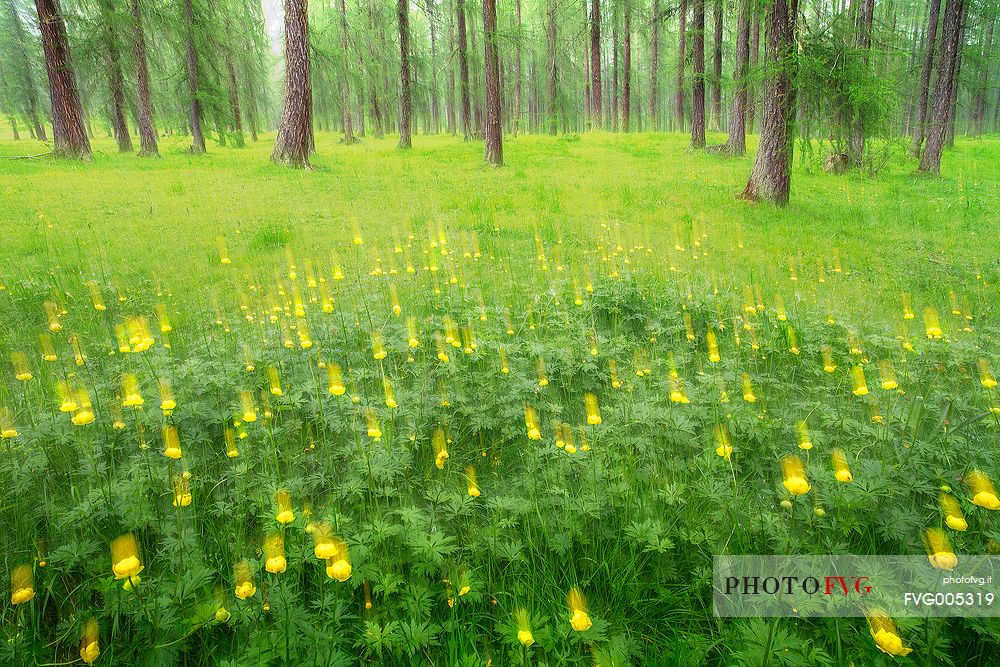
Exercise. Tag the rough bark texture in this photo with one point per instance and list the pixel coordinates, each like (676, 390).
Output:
(938, 112)
(752, 92)
(595, 63)
(517, 72)
(463, 70)
(770, 179)
(949, 135)
(435, 108)
(345, 80)
(553, 72)
(717, 67)
(452, 120)
(403, 16)
(681, 58)
(116, 82)
(919, 129)
(148, 146)
(36, 127)
(736, 144)
(698, 75)
(234, 101)
(862, 42)
(627, 68)
(654, 67)
(491, 63)
(979, 108)
(294, 140)
(68, 132)
(194, 103)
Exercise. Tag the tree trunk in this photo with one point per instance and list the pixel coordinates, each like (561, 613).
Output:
(627, 68)
(234, 101)
(919, 129)
(194, 103)
(116, 83)
(595, 63)
(517, 73)
(27, 80)
(452, 116)
(770, 179)
(930, 161)
(148, 146)
(949, 136)
(681, 61)
(717, 67)
(403, 16)
(435, 108)
(752, 92)
(345, 79)
(979, 108)
(68, 131)
(698, 76)
(463, 70)
(737, 142)
(613, 93)
(862, 42)
(553, 73)
(295, 135)
(493, 130)
(654, 67)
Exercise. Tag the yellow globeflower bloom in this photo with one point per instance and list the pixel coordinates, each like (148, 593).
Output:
(794, 473)
(411, 332)
(243, 576)
(247, 404)
(939, 551)
(677, 394)
(858, 384)
(274, 553)
(22, 584)
(931, 323)
(907, 307)
(523, 627)
(338, 566)
(531, 422)
(7, 429)
(390, 394)
(883, 631)
(713, 347)
(829, 365)
(125, 561)
(840, 468)
(230, 437)
(171, 442)
(283, 501)
(85, 413)
(983, 493)
(953, 516)
(371, 424)
(274, 381)
(167, 402)
(543, 377)
(335, 379)
(504, 365)
(724, 445)
(748, 394)
(90, 648)
(20, 363)
(471, 482)
(577, 603)
(440, 443)
(378, 347)
(805, 440)
(130, 386)
(986, 377)
(567, 437)
(593, 412)
(48, 350)
(613, 372)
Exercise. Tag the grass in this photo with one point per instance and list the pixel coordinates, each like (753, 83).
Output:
(605, 264)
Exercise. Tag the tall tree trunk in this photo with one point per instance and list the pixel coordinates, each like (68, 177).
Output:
(194, 103)
(116, 83)
(770, 179)
(234, 101)
(717, 67)
(930, 161)
(68, 131)
(613, 93)
(919, 129)
(654, 67)
(627, 68)
(752, 91)
(587, 97)
(862, 42)
(463, 70)
(949, 136)
(698, 76)
(681, 62)
(553, 73)
(27, 80)
(377, 115)
(737, 142)
(295, 134)
(452, 116)
(345, 79)
(148, 146)
(403, 16)
(435, 108)
(517, 72)
(979, 107)
(493, 130)
(13, 127)
(595, 63)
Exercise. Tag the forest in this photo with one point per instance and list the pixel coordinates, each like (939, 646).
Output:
(491, 332)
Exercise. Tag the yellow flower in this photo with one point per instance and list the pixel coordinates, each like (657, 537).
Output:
(371, 424)
(725, 447)
(243, 576)
(89, 641)
(883, 631)
(338, 565)
(939, 551)
(22, 584)
(593, 412)
(888, 375)
(953, 516)
(531, 422)
(523, 627)
(986, 377)
(335, 380)
(472, 485)
(840, 468)
(378, 347)
(182, 491)
(983, 493)
(577, 603)
(794, 476)
(748, 394)
(805, 441)
(829, 365)
(171, 442)
(284, 502)
(858, 384)
(130, 386)
(931, 323)
(274, 554)
(125, 561)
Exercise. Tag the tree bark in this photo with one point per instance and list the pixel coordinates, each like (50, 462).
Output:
(27, 80)
(736, 144)
(435, 108)
(770, 179)
(116, 83)
(295, 136)
(191, 60)
(862, 42)
(345, 79)
(234, 101)
(148, 146)
(452, 120)
(553, 73)
(698, 76)
(627, 67)
(517, 72)
(681, 61)
(752, 92)
(930, 161)
(956, 80)
(463, 70)
(595, 63)
(920, 128)
(717, 67)
(493, 129)
(68, 132)
(654, 67)
(979, 111)
(403, 16)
